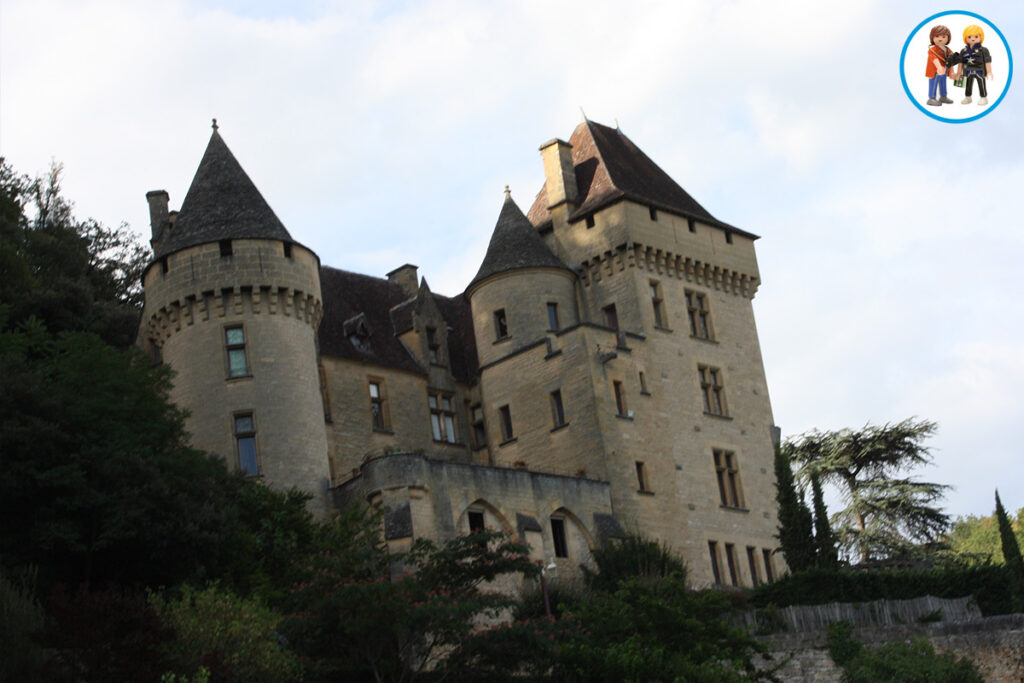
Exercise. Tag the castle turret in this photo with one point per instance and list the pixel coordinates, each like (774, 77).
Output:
(233, 305)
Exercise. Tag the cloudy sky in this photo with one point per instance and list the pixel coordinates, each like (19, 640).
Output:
(383, 133)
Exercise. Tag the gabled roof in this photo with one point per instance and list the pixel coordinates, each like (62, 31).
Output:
(386, 311)
(515, 245)
(222, 203)
(610, 167)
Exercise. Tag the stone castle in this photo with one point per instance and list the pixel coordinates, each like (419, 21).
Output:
(601, 374)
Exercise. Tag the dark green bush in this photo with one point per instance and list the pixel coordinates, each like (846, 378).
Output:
(632, 557)
(989, 584)
(910, 661)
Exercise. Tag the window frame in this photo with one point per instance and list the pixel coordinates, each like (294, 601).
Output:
(559, 537)
(727, 472)
(716, 568)
(619, 392)
(433, 346)
(698, 313)
(730, 559)
(769, 569)
(557, 409)
(755, 575)
(442, 416)
(245, 435)
(378, 405)
(658, 305)
(500, 325)
(611, 317)
(641, 477)
(553, 321)
(505, 421)
(476, 415)
(712, 388)
(231, 348)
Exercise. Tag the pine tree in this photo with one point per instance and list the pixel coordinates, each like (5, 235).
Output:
(1011, 554)
(824, 539)
(795, 525)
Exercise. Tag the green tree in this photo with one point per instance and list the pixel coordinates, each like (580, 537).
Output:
(630, 557)
(1011, 554)
(886, 513)
(973, 539)
(796, 536)
(825, 551)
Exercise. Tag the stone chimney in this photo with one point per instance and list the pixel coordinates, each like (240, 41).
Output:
(406, 278)
(559, 173)
(158, 215)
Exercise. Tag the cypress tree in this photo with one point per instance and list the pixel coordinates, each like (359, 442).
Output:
(824, 539)
(1011, 554)
(795, 535)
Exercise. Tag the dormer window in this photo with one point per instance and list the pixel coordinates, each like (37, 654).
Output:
(433, 346)
(357, 330)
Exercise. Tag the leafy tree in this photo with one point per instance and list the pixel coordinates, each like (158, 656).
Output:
(632, 556)
(795, 535)
(826, 554)
(885, 513)
(1011, 553)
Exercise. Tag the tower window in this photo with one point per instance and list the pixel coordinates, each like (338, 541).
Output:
(557, 410)
(620, 398)
(245, 443)
(500, 324)
(699, 314)
(730, 558)
(729, 490)
(238, 364)
(712, 390)
(442, 416)
(713, 552)
(287, 249)
(641, 477)
(558, 537)
(691, 224)
(643, 385)
(163, 265)
(590, 221)
(658, 304)
(553, 316)
(507, 434)
(611, 317)
(378, 406)
(654, 213)
(225, 248)
(728, 237)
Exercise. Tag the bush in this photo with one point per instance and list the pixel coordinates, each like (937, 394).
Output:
(989, 584)
(21, 618)
(910, 661)
(631, 557)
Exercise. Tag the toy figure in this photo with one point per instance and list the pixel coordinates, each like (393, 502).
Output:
(938, 53)
(975, 63)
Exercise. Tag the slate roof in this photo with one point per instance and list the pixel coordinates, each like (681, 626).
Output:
(514, 245)
(388, 311)
(221, 203)
(610, 167)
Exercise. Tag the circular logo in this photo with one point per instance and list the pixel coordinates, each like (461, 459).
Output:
(956, 66)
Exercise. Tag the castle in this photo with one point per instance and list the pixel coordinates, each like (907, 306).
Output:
(601, 374)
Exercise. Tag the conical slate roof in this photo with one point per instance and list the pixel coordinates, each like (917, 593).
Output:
(515, 244)
(222, 203)
(609, 167)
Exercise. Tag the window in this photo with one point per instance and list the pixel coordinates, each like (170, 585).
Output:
(728, 475)
(654, 213)
(378, 408)
(611, 318)
(476, 521)
(658, 303)
(234, 338)
(163, 265)
(691, 224)
(433, 346)
(506, 424)
(225, 248)
(552, 316)
(287, 249)
(590, 221)
(557, 410)
(479, 433)
(643, 385)
(730, 558)
(620, 398)
(641, 477)
(245, 443)
(500, 324)
(752, 561)
(728, 237)
(698, 312)
(711, 389)
(713, 551)
(442, 416)
(769, 573)
(558, 537)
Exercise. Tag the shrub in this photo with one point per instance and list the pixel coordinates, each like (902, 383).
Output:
(631, 557)
(910, 661)
(20, 618)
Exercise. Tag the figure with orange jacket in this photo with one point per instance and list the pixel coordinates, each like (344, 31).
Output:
(938, 55)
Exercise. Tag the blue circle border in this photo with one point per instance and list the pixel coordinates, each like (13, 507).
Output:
(903, 76)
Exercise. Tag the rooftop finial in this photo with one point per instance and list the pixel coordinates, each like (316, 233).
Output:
(508, 193)
(215, 124)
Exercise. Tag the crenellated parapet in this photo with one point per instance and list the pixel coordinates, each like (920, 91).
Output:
(667, 263)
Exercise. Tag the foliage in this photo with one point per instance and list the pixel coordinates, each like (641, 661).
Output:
(234, 638)
(104, 635)
(975, 540)
(988, 584)
(630, 557)
(796, 536)
(202, 676)
(826, 554)
(885, 513)
(1011, 553)
(911, 661)
(356, 615)
(21, 617)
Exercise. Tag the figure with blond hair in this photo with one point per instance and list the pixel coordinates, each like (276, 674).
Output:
(975, 64)
(938, 54)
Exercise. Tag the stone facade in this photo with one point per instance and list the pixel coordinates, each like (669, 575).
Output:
(601, 372)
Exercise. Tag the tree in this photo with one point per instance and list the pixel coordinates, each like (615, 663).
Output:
(975, 540)
(795, 525)
(824, 540)
(1011, 553)
(885, 513)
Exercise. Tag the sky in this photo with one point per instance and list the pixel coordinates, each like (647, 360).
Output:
(384, 133)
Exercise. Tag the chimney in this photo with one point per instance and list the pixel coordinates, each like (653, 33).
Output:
(559, 173)
(406, 278)
(158, 216)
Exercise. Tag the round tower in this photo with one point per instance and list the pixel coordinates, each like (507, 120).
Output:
(232, 304)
